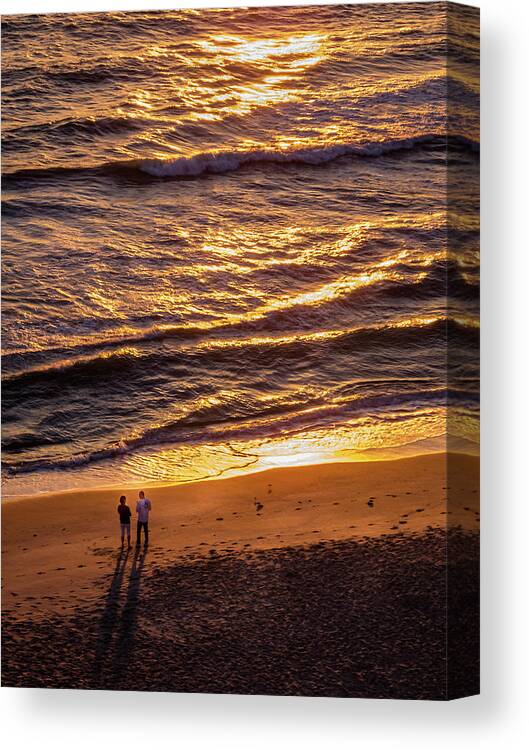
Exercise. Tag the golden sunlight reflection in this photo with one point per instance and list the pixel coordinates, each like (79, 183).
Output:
(279, 66)
(292, 50)
(377, 273)
(358, 440)
(314, 336)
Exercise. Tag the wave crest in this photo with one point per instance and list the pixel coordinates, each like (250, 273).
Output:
(222, 162)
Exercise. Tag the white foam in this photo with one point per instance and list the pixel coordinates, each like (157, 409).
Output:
(219, 162)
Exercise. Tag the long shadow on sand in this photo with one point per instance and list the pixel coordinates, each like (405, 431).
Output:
(116, 628)
(109, 618)
(126, 631)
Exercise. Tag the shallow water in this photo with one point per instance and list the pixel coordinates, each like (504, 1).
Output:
(225, 243)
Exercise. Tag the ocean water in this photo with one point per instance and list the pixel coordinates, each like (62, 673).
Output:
(225, 240)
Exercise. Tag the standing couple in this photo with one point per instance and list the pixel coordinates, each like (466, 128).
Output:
(143, 508)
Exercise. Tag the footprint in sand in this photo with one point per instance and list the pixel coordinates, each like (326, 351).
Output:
(219, 519)
(402, 522)
(419, 510)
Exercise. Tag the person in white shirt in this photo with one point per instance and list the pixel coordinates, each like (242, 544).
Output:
(143, 508)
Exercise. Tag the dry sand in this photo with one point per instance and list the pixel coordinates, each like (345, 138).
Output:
(337, 586)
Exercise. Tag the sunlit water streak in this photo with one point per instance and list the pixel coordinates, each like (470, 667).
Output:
(225, 243)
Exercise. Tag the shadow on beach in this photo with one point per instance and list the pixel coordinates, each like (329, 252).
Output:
(337, 618)
(116, 628)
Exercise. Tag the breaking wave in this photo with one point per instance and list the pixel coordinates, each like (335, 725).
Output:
(223, 162)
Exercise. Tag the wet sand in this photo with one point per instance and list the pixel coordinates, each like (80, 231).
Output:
(336, 586)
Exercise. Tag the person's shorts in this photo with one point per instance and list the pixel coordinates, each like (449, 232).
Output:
(125, 527)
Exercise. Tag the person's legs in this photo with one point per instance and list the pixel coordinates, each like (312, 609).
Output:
(122, 534)
(138, 532)
(128, 533)
(146, 530)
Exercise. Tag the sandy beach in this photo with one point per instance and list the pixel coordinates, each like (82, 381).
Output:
(336, 586)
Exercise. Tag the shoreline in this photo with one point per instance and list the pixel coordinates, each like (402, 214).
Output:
(132, 486)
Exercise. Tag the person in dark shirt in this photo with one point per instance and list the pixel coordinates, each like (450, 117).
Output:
(124, 519)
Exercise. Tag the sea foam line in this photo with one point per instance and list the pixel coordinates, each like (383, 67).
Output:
(222, 162)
